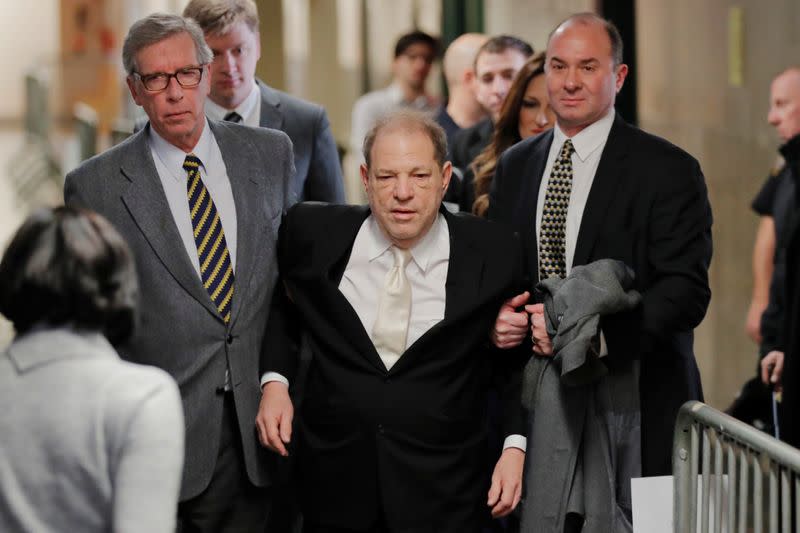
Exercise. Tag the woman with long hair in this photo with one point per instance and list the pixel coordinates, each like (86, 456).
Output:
(525, 113)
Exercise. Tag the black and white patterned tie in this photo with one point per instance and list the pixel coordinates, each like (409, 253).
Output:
(552, 231)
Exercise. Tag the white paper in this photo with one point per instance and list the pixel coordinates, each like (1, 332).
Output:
(652, 499)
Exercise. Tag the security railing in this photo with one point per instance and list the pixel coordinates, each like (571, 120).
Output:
(728, 472)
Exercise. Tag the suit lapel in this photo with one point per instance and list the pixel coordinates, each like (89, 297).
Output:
(247, 185)
(147, 204)
(464, 272)
(271, 116)
(604, 188)
(462, 287)
(334, 255)
(530, 182)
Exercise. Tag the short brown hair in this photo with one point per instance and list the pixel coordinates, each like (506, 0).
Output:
(217, 17)
(409, 120)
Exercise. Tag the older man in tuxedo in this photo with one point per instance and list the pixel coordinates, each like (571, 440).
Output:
(199, 203)
(396, 299)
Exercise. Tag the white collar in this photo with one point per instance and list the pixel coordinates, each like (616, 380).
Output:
(173, 157)
(589, 138)
(424, 252)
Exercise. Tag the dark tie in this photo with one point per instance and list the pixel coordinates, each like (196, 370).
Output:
(233, 116)
(216, 270)
(552, 231)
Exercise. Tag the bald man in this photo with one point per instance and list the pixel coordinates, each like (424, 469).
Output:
(778, 201)
(462, 109)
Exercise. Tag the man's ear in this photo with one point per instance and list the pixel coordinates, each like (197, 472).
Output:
(622, 71)
(447, 173)
(258, 45)
(364, 171)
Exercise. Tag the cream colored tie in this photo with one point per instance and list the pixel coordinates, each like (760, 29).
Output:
(394, 308)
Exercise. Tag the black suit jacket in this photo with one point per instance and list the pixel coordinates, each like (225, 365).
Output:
(409, 443)
(648, 207)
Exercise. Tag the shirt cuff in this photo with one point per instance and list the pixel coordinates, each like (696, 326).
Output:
(515, 441)
(273, 376)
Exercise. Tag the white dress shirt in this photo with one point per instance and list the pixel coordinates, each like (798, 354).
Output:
(249, 109)
(362, 283)
(169, 165)
(371, 259)
(589, 144)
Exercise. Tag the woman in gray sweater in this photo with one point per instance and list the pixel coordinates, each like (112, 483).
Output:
(88, 442)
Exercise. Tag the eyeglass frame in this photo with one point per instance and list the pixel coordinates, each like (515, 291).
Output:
(169, 76)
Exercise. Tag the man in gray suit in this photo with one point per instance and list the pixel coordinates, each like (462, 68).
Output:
(199, 203)
(231, 30)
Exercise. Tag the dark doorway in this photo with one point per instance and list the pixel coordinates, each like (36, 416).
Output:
(623, 14)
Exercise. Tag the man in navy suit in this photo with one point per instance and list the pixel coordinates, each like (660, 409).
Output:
(231, 31)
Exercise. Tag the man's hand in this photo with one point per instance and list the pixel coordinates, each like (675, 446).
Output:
(511, 326)
(506, 489)
(772, 369)
(274, 419)
(542, 345)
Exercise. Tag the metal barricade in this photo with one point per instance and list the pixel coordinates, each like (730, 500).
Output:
(741, 471)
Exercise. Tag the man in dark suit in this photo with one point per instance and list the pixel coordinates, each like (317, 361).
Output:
(630, 196)
(396, 300)
(199, 202)
(496, 64)
(231, 30)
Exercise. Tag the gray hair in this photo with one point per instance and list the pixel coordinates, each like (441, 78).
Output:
(409, 120)
(157, 27)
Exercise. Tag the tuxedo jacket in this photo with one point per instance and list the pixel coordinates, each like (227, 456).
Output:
(648, 207)
(180, 329)
(318, 171)
(407, 444)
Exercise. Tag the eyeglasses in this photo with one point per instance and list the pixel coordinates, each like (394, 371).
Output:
(186, 78)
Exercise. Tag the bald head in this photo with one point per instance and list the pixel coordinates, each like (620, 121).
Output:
(784, 103)
(460, 57)
(590, 19)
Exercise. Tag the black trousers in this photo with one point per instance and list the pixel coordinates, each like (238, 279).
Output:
(316, 528)
(230, 503)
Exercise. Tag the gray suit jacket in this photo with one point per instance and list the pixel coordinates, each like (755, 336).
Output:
(89, 443)
(318, 171)
(180, 329)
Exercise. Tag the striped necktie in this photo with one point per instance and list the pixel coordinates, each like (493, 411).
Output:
(553, 228)
(216, 270)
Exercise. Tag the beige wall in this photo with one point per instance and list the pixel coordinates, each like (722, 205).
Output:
(30, 38)
(685, 96)
(531, 20)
